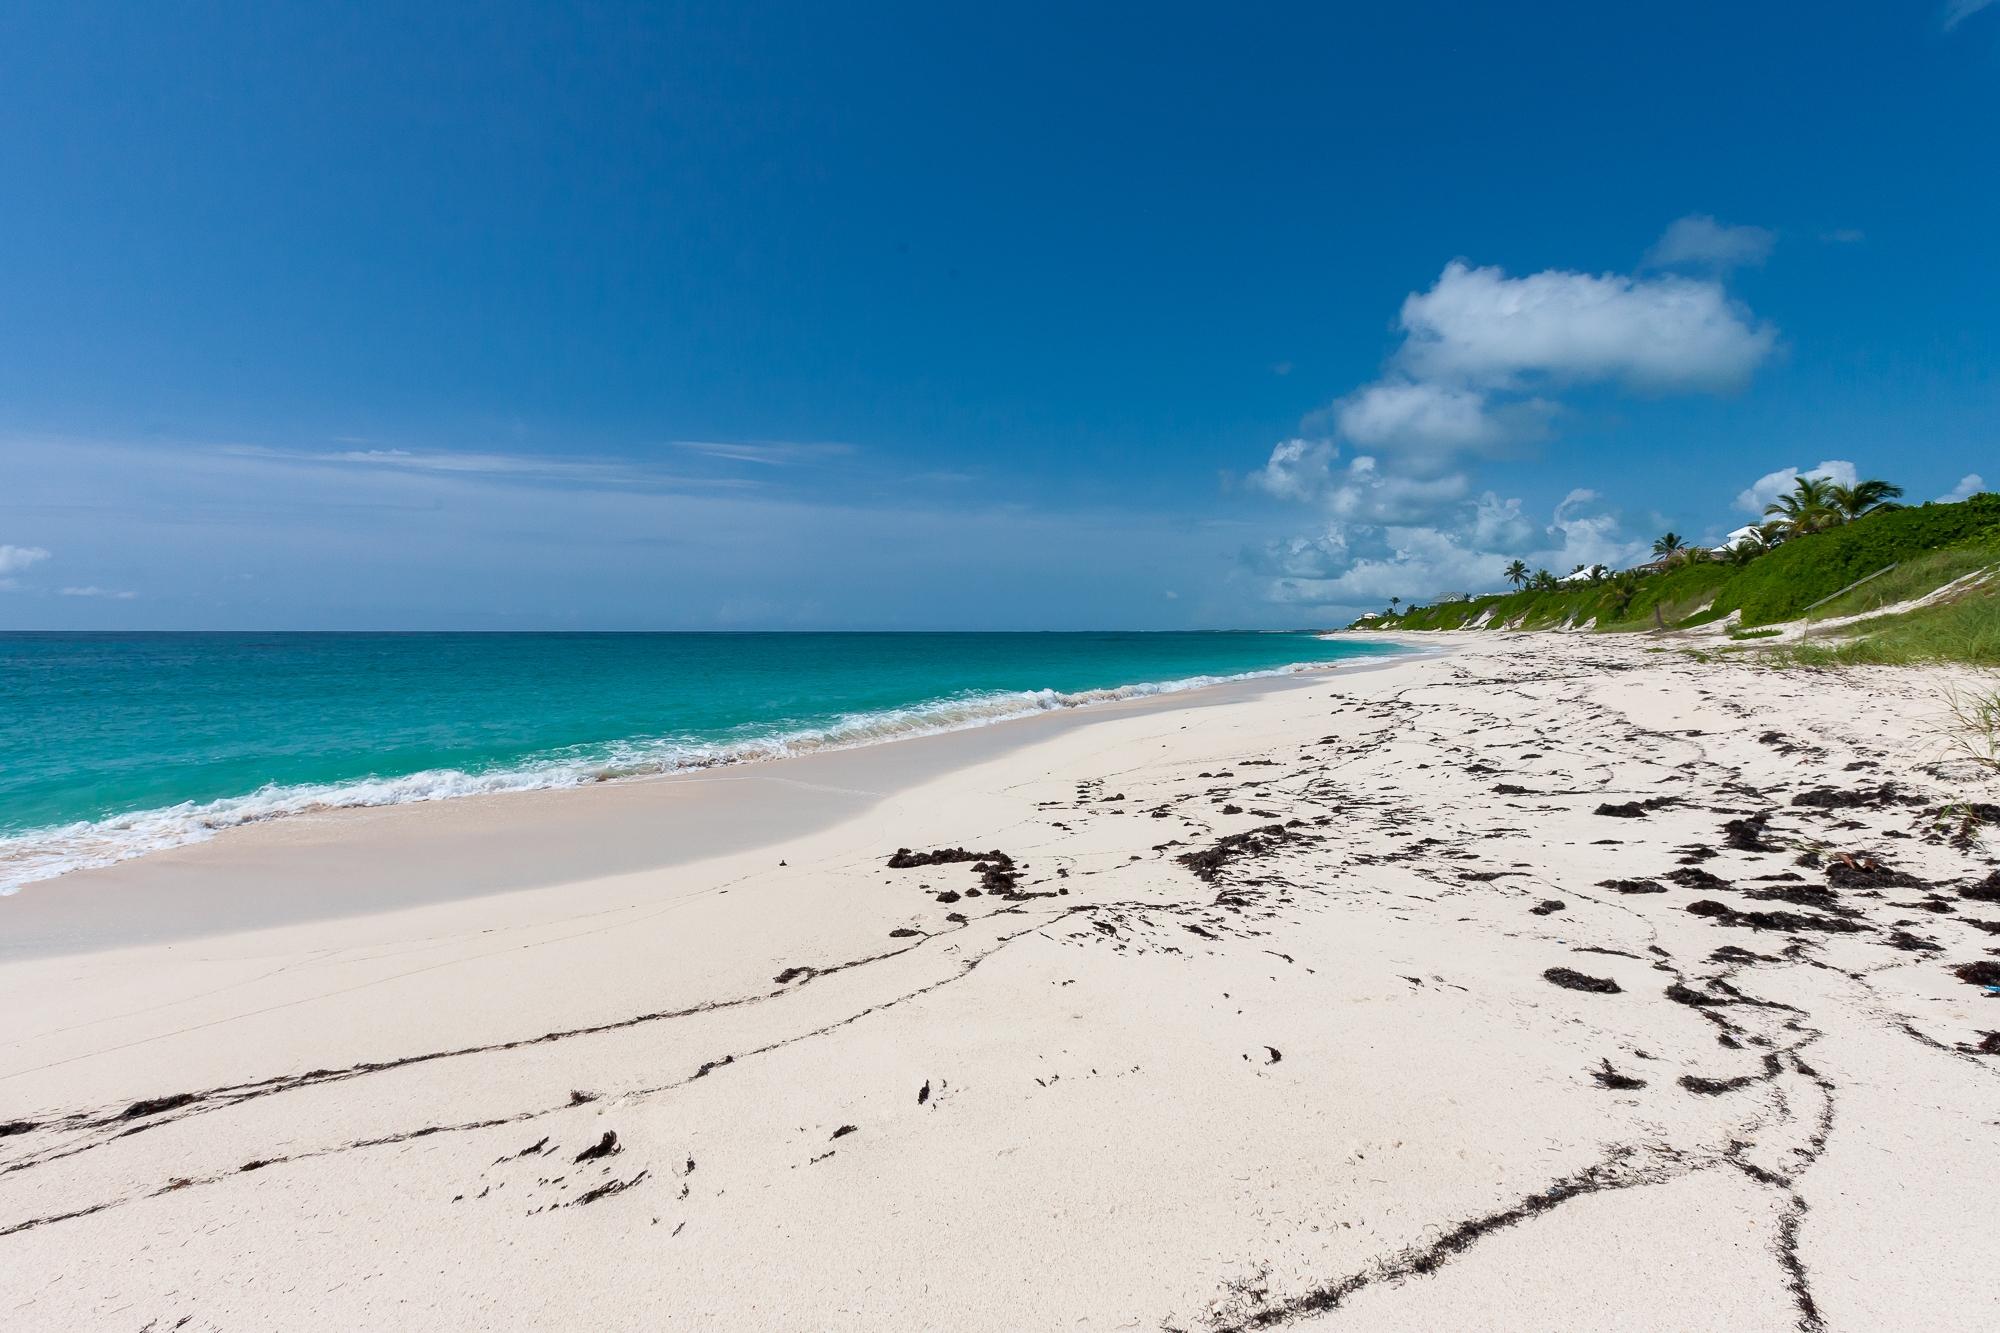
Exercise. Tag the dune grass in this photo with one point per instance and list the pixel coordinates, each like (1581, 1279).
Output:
(1911, 579)
(1965, 629)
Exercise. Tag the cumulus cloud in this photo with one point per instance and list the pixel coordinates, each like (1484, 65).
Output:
(1698, 241)
(1771, 485)
(1405, 411)
(1484, 363)
(1358, 489)
(1968, 486)
(94, 591)
(1478, 326)
(1351, 564)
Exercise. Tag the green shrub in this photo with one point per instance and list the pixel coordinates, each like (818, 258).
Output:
(1930, 545)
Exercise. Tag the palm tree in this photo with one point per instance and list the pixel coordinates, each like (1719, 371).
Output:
(1543, 581)
(1598, 573)
(1747, 548)
(1516, 574)
(1809, 508)
(1864, 497)
(1669, 546)
(1624, 587)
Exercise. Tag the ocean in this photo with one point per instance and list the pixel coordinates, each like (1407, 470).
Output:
(112, 745)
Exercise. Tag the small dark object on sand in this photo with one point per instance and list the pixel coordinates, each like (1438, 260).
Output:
(609, 1188)
(1626, 810)
(845, 1130)
(1548, 905)
(1210, 861)
(1747, 835)
(1729, 916)
(1633, 885)
(1832, 798)
(1851, 871)
(1985, 891)
(1607, 1077)
(604, 1147)
(155, 1105)
(1570, 979)
(13, 1127)
(1981, 973)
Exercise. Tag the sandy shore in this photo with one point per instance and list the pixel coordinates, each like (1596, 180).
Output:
(1554, 983)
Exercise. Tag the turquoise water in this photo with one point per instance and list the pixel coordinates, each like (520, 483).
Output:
(114, 744)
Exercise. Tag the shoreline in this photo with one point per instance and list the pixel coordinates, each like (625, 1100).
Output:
(509, 841)
(1574, 982)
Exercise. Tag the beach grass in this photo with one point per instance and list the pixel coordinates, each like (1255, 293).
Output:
(1963, 629)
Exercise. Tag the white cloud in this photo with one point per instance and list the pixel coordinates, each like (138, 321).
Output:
(521, 469)
(1478, 326)
(773, 454)
(1969, 485)
(1424, 420)
(1359, 491)
(1349, 565)
(1958, 11)
(14, 559)
(1483, 361)
(94, 591)
(1774, 484)
(1699, 241)
(1298, 469)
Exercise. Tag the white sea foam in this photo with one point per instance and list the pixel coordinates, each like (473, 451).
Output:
(41, 854)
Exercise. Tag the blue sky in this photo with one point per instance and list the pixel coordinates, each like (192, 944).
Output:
(1026, 316)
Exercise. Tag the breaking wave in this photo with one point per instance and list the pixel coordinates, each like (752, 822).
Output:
(42, 854)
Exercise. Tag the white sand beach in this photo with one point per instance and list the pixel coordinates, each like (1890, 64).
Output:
(1339, 1003)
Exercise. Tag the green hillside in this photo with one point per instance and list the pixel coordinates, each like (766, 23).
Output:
(1929, 545)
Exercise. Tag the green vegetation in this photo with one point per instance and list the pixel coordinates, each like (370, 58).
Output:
(1825, 539)
(1964, 628)
(1911, 579)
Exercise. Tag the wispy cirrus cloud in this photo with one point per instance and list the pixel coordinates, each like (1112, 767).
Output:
(92, 590)
(1958, 11)
(778, 453)
(495, 465)
(1698, 241)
